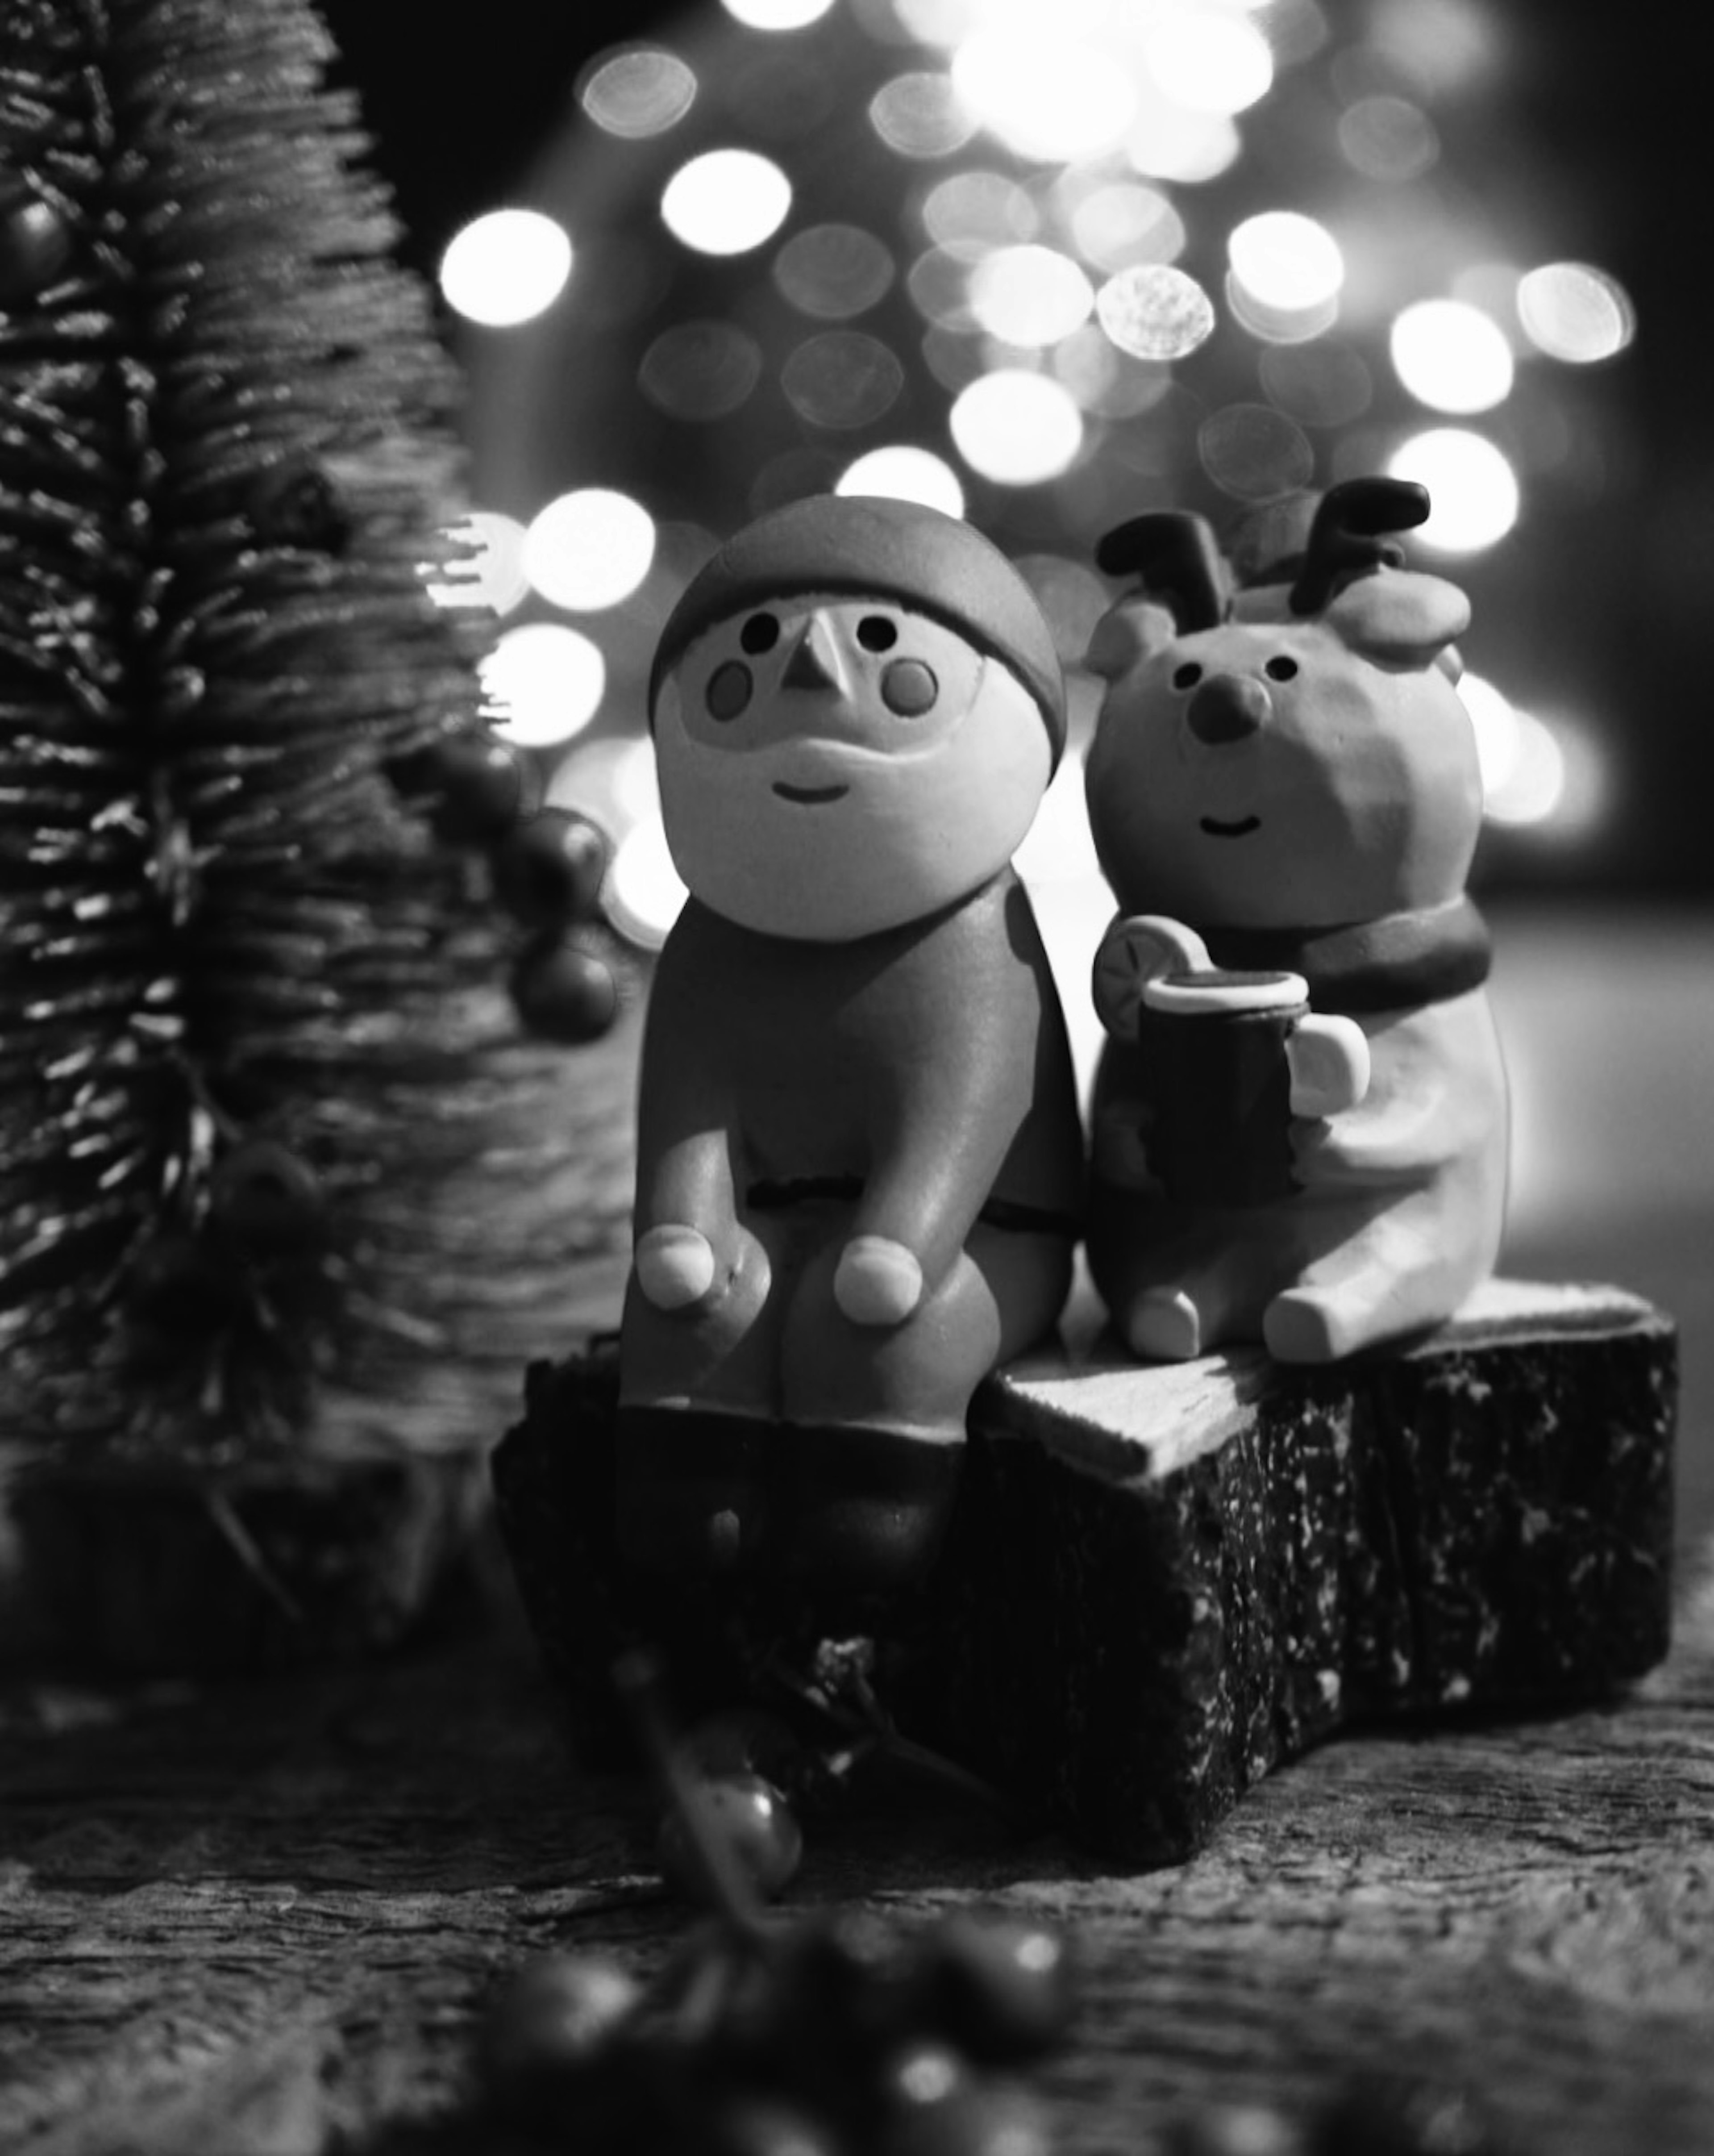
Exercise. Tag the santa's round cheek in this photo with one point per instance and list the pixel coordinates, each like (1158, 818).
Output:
(909, 688)
(729, 688)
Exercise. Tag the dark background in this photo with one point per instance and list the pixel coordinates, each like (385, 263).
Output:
(1608, 115)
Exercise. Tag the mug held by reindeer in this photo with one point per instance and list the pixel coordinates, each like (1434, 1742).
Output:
(1283, 773)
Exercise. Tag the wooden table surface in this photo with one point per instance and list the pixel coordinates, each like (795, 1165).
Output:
(260, 1919)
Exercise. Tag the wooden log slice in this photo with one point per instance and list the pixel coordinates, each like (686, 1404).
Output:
(1167, 1579)
(1164, 1580)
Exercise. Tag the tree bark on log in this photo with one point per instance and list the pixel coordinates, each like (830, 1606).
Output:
(1163, 1580)
(262, 1918)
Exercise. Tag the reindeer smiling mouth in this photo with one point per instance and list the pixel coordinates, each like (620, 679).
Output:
(809, 795)
(1239, 828)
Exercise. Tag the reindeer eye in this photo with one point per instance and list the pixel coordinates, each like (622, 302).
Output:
(761, 632)
(876, 632)
(1281, 669)
(1188, 675)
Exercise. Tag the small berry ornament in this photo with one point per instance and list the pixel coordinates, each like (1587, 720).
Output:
(1300, 1117)
(859, 1161)
(765, 2035)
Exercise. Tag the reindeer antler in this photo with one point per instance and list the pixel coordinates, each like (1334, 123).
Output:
(1179, 559)
(1347, 538)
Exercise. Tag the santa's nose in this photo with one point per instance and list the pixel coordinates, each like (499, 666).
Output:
(812, 663)
(1227, 707)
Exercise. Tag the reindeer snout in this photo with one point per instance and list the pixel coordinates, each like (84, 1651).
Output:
(1227, 707)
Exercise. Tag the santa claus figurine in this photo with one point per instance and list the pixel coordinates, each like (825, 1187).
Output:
(859, 1161)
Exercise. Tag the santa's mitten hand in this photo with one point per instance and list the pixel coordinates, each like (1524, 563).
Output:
(675, 1266)
(877, 1282)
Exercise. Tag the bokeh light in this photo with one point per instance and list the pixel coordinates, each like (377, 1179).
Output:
(546, 680)
(776, 14)
(1155, 311)
(1125, 223)
(589, 549)
(505, 267)
(1169, 142)
(726, 202)
(637, 93)
(938, 282)
(1029, 295)
(1389, 139)
(1575, 312)
(1442, 48)
(1047, 264)
(920, 114)
(1046, 95)
(614, 783)
(612, 779)
(1322, 382)
(1287, 273)
(645, 891)
(832, 271)
(1254, 453)
(1106, 382)
(1470, 482)
(983, 208)
(1451, 355)
(489, 570)
(1526, 775)
(842, 379)
(1208, 59)
(700, 370)
(1017, 427)
(904, 474)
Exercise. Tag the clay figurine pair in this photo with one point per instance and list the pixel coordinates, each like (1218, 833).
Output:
(860, 1160)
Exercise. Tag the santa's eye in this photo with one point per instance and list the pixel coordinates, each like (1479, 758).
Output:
(1281, 669)
(876, 632)
(909, 688)
(1188, 675)
(761, 632)
(728, 689)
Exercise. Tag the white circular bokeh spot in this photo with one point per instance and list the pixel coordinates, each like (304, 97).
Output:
(1017, 427)
(902, 473)
(1470, 483)
(547, 679)
(726, 202)
(505, 267)
(589, 549)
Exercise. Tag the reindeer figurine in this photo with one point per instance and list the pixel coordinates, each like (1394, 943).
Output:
(1300, 1118)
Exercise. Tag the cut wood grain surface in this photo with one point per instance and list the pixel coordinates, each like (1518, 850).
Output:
(259, 1920)
(263, 1919)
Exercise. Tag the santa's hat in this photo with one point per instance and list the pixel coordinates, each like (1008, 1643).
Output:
(868, 546)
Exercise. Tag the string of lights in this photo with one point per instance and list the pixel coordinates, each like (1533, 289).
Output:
(1044, 265)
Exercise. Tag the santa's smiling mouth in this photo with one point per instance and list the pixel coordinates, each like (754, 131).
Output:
(810, 796)
(1239, 829)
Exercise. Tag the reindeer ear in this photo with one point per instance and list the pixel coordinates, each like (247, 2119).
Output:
(1125, 635)
(1350, 536)
(1399, 617)
(1178, 559)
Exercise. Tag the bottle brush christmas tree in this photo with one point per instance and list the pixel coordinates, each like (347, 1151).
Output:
(267, 1132)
